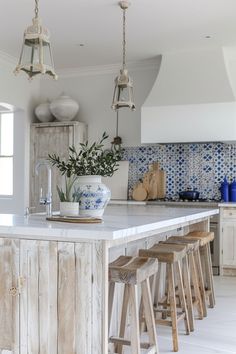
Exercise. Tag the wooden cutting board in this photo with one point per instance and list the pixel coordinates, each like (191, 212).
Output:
(139, 193)
(161, 184)
(157, 182)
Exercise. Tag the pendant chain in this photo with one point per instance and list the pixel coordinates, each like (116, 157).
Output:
(124, 40)
(117, 121)
(36, 8)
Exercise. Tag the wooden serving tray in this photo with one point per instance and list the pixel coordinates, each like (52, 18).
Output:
(75, 220)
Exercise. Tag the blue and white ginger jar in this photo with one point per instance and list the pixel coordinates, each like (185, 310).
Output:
(94, 195)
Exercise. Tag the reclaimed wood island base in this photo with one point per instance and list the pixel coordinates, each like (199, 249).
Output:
(54, 276)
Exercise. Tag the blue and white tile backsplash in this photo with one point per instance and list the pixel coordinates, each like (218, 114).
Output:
(199, 166)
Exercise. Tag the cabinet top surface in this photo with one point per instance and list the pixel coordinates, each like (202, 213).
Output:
(57, 124)
(120, 222)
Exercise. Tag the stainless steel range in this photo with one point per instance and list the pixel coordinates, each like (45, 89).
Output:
(214, 222)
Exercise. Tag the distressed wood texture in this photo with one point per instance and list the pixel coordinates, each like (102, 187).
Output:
(83, 290)
(38, 303)
(61, 309)
(9, 304)
(49, 138)
(100, 299)
(66, 297)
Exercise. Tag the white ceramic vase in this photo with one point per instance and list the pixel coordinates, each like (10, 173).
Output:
(69, 209)
(43, 113)
(94, 195)
(64, 108)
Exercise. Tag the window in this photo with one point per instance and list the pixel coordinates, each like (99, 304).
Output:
(6, 154)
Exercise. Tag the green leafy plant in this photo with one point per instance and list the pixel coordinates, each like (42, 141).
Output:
(68, 195)
(90, 160)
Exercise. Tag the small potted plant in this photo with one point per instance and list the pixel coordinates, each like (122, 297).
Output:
(88, 165)
(69, 198)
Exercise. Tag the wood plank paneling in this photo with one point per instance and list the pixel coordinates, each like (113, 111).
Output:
(9, 305)
(48, 297)
(100, 298)
(66, 298)
(38, 299)
(83, 304)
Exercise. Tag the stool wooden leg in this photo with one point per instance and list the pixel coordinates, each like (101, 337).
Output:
(110, 303)
(182, 296)
(187, 286)
(119, 347)
(156, 287)
(201, 281)
(134, 311)
(149, 315)
(212, 295)
(209, 281)
(171, 287)
(195, 281)
(166, 292)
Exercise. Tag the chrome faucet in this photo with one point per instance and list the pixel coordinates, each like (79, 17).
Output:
(46, 200)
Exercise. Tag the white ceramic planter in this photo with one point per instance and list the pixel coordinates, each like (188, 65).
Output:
(69, 209)
(64, 108)
(94, 195)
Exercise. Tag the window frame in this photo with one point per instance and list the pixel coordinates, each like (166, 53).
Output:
(8, 196)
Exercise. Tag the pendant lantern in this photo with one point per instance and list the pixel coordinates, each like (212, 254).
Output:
(123, 92)
(36, 54)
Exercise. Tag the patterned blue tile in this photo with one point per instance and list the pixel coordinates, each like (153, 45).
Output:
(200, 166)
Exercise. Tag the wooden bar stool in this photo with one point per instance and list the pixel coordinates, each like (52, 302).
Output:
(171, 255)
(133, 271)
(190, 276)
(205, 238)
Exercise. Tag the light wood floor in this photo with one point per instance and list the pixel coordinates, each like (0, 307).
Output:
(216, 334)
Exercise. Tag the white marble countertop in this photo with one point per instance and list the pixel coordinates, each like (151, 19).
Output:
(120, 222)
(197, 204)
(227, 204)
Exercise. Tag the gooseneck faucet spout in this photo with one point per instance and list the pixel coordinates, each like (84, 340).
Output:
(46, 200)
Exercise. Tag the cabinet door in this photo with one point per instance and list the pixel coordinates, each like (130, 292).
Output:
(38, 300)
(9, 296)
(48, 140)
(229, 244)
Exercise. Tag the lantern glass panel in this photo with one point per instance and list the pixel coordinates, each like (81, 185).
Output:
(47, 58)
(124, 95)
(30, 54)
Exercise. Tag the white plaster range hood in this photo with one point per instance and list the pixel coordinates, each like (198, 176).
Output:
(193, 98)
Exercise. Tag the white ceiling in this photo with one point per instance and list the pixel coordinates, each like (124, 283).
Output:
(153, 27)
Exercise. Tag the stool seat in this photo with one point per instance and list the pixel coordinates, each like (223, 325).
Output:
(191, 244)
(203, 236)
(165, 253)
(132, 270)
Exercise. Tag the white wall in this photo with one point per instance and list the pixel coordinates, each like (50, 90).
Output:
(20, 93)
(94, 93)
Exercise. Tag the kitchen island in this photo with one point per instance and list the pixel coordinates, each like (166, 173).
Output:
(54, 276)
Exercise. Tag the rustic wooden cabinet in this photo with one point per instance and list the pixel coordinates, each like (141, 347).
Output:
(49, 138)
(41, 299)
(228, 240)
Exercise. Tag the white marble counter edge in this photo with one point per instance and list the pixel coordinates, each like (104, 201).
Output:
(227, 204)
(49, 233)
